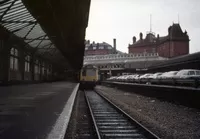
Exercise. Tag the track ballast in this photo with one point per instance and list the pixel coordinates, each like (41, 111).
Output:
(111, 122)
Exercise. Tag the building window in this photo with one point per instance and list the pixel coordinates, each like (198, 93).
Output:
(37, 67)
(94, 48)
(43, 67)
(109, 47)
(86, 48)
(101, 47)
(145, 50)
(14, 59)
(27, 63)
(49, 69)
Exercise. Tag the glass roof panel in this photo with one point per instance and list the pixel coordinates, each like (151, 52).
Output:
(5, 5)
(36, 32)
(44, 43)
(24, 31)
(16, 18)
(34, 43)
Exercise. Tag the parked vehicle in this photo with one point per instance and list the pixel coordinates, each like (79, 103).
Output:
(132, 78)
(155, 75)
(170, 74)
(112, 78)
(188, 74)
(125, 77)
(186, 77)
(145, 76)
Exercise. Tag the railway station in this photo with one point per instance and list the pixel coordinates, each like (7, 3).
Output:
(56, 85)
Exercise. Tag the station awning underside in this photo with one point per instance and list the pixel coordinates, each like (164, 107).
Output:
(55, 29)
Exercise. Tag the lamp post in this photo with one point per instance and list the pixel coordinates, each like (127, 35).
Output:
(110, 71)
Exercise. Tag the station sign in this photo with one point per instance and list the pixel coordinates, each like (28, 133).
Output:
(141, 69)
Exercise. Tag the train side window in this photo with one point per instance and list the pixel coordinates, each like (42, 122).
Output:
(84, 72)
(197, 72)
(191, 73)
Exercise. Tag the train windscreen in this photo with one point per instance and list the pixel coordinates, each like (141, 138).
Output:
(91, 72)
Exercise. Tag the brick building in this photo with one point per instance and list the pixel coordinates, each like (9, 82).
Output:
(100, 48)
(176, 43)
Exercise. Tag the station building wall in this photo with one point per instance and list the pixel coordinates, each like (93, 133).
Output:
(17, 63)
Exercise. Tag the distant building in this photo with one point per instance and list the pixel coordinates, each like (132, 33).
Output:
(100, 48)
(176, 43)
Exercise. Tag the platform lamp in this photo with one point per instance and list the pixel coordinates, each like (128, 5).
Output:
(110, 70)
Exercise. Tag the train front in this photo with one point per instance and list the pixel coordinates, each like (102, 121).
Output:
(88, 77)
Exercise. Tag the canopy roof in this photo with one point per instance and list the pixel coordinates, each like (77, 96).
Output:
(16, 18)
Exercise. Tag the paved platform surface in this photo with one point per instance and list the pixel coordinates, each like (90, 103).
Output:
(31, 111)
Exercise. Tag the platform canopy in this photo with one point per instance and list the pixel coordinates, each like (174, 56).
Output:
(55, 29)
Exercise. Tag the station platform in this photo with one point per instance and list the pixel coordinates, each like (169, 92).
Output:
(36, 111)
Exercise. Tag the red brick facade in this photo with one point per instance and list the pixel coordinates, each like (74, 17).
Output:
(176, 43)
(97, 52)
(147, 49)
(173, 48)
(100, 48)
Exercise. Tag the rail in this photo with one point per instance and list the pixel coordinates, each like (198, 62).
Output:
(112, 122)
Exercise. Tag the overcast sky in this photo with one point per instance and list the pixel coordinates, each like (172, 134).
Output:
(123, 19)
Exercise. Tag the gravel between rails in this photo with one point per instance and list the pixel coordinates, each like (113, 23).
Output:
(80, 124)
(165, 119)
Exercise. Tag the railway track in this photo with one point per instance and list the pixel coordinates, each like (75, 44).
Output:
(80, 125)
(111, 122)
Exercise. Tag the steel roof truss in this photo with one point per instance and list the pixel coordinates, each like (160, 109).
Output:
(12, 14)
(22, 27)
(12, 25)
(15, 27)
(30, 30)
(4, 2)
(1, 17)
(17, 4)
(17, 16)
(7, 25)
(11, 17)
(25, 20)
(2, 9)
(49, 46)
(19, 19)
(44, 47)
(20, 7)
(36, 38)
(39, 43)
(4, 6)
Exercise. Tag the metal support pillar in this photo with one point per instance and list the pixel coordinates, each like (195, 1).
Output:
(5, 61)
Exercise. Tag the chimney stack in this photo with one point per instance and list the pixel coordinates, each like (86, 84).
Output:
(114, 45)
(141, 36)
(134, 39)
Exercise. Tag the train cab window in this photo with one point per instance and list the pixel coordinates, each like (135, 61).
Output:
(191, 73)
(84, 72)
(91, 72)
(197, 72)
